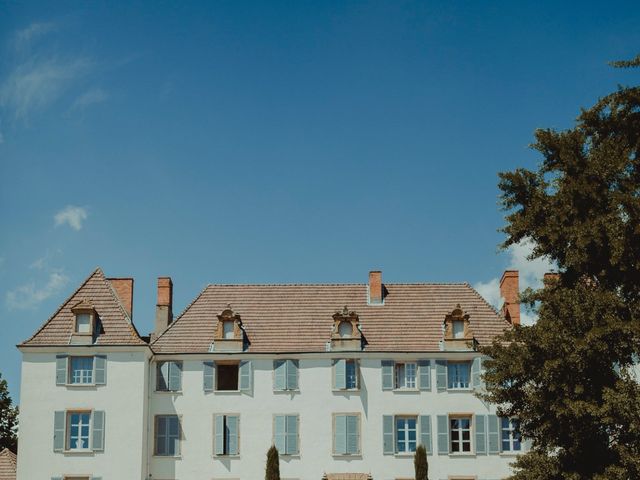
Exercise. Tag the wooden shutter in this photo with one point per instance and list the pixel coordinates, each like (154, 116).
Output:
(494, 434)
(387, 434)
(62, 369)
(279, 433)
(58, 431)
(387, 374)
(175, 376)
(443, 435)
(208, 369)
(481, 435)
(441, 375)
(233, 432)
(100, 368)
(340, 374)
(218, 447)
(353, 434)
(174, 433)
(424, 370)
(97, 436)
(245, 376)
(340, 434)
(476, 379)
(279, 375)
(292, 374)
(162, 373)
(425, 432)
(292, 434)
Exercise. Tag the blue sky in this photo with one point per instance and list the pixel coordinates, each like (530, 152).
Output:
(274, 142)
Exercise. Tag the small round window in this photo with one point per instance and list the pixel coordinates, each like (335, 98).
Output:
(345, 329)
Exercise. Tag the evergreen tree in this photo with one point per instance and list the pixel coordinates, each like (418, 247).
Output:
(8, 419)
(568, 378)
(420, 463)
(273, 464)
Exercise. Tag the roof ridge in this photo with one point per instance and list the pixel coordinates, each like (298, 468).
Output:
(328, 284)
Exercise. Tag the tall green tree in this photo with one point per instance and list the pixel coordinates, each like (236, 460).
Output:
(8, 419)
(273, 464)
(568, 378)
(420, 463)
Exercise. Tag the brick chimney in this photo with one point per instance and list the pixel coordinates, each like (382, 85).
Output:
(124, 289)
(375, 288)
(164, 312)
(510, 291)
(550, 278)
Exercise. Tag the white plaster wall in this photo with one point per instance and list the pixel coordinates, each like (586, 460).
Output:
(123, 399)
(315, 403)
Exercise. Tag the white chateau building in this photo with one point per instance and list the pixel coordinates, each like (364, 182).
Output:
(345, 379)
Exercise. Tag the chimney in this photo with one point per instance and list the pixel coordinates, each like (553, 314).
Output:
(550, 278)
(124, 289)
(164, 312)
(375, 288)
(510, 291)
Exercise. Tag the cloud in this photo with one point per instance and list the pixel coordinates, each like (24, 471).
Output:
(37, 83)
(25, 37)
(90, 97)
(531, 275)
(72, 216)
(29, 296)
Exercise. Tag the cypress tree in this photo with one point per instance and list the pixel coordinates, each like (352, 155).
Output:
(273, 464)
(8, 419)
(420, 463)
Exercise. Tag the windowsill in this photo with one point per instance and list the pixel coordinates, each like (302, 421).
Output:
(80, 385)
(171, 457)
(514, 453)
(297, 390)
(222, 457)
(169, 392)
(462, 454)
(224, 392)
(346, 455)
(468, 389)
(290, 455)
(405, 454)
(406, 390)
(346, 390)
(85, 453)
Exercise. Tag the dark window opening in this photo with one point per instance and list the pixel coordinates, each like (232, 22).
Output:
(227, 377)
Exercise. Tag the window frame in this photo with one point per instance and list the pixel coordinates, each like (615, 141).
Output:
(67, 432)
(226, 363)
(286, 362)
(167, 436)
(511, 432)
(225, 447)
(167, 381)
(356, 375)
(286, 434)
(469, 365)
(415, 418)
(334, 416)
(77, 315)
(462, 416)
(70, 370)
(403, 365)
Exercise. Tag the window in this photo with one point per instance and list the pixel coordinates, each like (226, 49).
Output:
(285, 375)
(83, 323)
(458, 375)
(78, 428)
(285, 434)
(228, 329)
(345, 374)
(458, 329)
(460, 434)
(169, 376)
(405, 375)
(227, 376)
(167, 436)
(345, 329)
(406, 434)
(81, 370)
(511, 441)
(346, 434)
(227, 434)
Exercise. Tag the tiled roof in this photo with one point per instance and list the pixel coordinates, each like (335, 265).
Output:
(7, 465)
(298, 318)
(117, 328)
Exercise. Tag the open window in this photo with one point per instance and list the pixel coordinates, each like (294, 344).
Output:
(227, 376)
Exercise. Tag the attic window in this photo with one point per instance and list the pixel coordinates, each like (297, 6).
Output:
(228, 329)
(83, 323)
(345, 329)
(458, 329)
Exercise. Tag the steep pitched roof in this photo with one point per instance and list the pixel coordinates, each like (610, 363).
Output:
(117, 328)
(298, 318)
(8, 462)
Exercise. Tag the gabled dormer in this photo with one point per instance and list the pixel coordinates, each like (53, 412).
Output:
(457, 331)
(346, 334)
(229, 335)
(85, 322)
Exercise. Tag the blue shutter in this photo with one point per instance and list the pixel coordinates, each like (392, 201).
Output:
(425, 432)
(233, 429)
(292, 374)
(340, 374)
(292, 434)
(56, 478)
(481, 435)
(245, 376)
(494, 434)
(61, 369)
(97, 441)
(100, 367)
(441, 375)
(424, 370)
(353, 434)
(340, 434)
(162, 373)
(58, 431)
(279, 433)
(387, 434)
(476, 380)
(387, 374)
(208, 369)
(173, 431)
(175, 376)
(279, 375)
(96, 478)
(219, 435)
(443, 435)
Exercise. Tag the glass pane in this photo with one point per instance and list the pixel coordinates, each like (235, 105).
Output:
(505, 446)
(458, 329)
(351, 377)
(466, 447)
(465, 422)
(516, 444)
(228, 327)
(83, 323)
(454, 423)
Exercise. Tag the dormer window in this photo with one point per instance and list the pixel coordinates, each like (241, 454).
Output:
(346, 334)
(458, 329)
(229, 335)
(83, 323)
(345, 329)
(228, 329)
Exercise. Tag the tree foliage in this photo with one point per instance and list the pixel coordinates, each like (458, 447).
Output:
(420, 463)
(273, 464)
(8, 419)
(569, 378)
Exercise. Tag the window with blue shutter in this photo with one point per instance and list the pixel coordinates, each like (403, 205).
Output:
(481, 434)
(443, 434)
(100, 369)
(476, 374)
(458, 374)
(425, 433)
(59, 431)
(227, 434)
(387, 434)
(285, 434)
(80, 370)
(208, 369)
(61, 369)
(493, 434)
(246, 374)
(169, 376)
(97, 433)
(387, 374)
(285, 375)
(167, 436)
(441, 375)
(424, 370)
(345, 374)
(346, 434)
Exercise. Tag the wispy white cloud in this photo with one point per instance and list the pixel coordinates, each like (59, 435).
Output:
(25, 37)
(37, 83)
(30, 295)
(88, 98)
(531, 275)
(71, 215)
